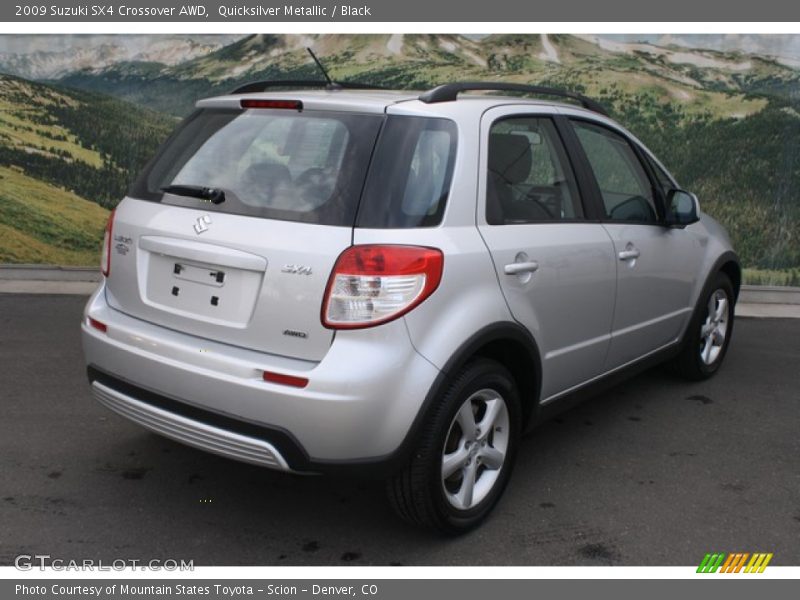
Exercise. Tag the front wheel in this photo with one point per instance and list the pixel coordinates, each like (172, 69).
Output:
(709, 332)
(465, 454)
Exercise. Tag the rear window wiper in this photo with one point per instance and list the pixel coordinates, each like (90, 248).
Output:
(209, 194)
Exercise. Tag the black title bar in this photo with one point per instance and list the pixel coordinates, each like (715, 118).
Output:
(271, 11)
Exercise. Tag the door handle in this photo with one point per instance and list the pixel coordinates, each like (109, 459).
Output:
(629, 253)
(521, 267)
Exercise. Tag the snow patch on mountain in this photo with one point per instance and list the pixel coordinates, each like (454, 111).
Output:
(549, 52)
(395, 43)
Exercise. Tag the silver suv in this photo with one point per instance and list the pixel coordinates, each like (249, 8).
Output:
(334, 281)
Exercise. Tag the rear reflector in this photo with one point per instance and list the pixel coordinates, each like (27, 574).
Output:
(98, 325)
(298, 382)
(284, 104)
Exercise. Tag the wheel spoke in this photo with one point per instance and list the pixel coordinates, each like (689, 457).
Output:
(492, 458)
(707, 329)
(718, 337)
(464, 495)
(466, 419)
(712, 306)
(722, 310)
(493, 408)
(706, 353)
(454, 461)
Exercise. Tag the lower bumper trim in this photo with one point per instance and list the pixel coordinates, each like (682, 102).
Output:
(190, 432)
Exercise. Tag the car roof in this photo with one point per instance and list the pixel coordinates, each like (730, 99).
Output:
(345, 100)
(379, 101)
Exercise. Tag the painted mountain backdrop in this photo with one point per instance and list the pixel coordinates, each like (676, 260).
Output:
(723, 112)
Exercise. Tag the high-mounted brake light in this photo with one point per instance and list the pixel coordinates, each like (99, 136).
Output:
(373, 284)
(285, 104)
(105, 258)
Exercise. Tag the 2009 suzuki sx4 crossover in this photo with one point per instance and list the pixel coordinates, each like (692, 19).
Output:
(331, 281)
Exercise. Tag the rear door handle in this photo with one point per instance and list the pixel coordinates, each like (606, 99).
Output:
(629, 253)
(521, 267)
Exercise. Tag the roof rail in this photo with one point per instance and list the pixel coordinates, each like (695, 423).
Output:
(262, 86)
(449, 92)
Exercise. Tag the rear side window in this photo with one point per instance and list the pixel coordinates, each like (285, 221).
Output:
(296, 166)
(411, 173)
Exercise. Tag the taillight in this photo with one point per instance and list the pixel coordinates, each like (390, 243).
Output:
(105, 258)
(373, 284)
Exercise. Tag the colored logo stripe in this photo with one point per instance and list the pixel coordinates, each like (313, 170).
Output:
(758, 563)
(734, 562)
(711, 563)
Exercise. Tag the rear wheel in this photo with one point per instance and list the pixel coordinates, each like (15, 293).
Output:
(709, 332)
(465, 454)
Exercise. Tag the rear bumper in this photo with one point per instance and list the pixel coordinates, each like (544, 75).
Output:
(358, 410)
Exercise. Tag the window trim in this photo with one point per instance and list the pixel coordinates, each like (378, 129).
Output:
(653, 163)
(640, 155)
(586, 208)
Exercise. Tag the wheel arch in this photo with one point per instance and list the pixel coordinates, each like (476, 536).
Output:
(512, 346)
(729, 264)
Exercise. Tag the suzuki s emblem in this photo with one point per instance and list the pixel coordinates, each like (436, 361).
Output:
(202, 224)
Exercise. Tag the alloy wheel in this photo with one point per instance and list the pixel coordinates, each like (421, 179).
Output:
(715, 328)
(475, 449)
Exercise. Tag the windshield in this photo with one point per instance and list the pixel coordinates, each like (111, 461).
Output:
(297, 166)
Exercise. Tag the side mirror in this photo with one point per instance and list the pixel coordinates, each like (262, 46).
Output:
(682, 208)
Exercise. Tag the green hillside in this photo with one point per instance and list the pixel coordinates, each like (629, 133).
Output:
(66, 156)
(40, 223)
(87, 143)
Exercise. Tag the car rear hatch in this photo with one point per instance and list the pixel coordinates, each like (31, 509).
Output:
(261, 198)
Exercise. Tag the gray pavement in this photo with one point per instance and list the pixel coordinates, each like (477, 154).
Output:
(653, 472)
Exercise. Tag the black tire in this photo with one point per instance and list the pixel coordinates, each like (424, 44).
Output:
(418, 493)
(690, 363)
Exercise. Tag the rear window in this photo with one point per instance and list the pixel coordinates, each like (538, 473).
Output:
(295, 166)
(409, 180)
